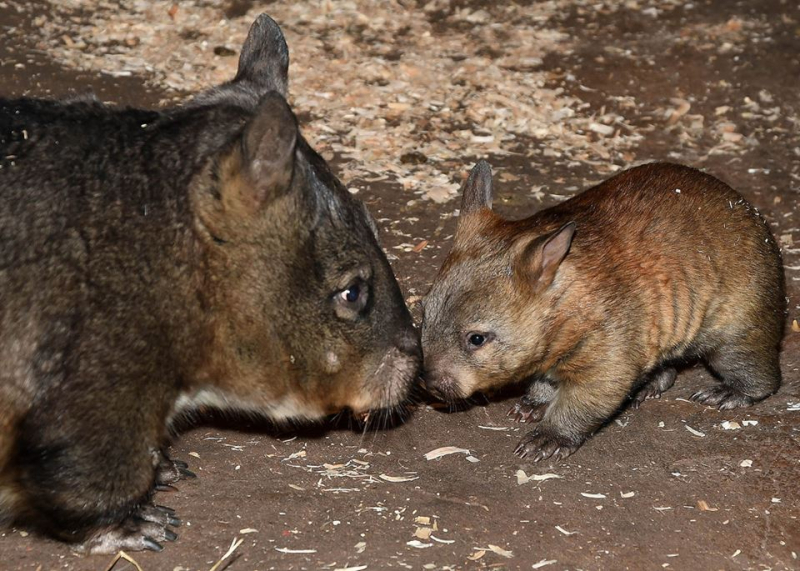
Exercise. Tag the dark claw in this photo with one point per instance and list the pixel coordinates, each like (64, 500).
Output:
(185, 472)
(165, 488)
(180, 463)
(152, 544)
(165, 509)
(174, 522)
(170, 535)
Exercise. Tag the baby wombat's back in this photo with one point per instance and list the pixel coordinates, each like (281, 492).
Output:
(680, 249)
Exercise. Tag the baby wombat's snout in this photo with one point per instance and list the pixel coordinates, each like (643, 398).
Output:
(595, 301)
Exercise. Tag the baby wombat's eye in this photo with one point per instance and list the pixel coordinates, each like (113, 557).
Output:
(476, 339)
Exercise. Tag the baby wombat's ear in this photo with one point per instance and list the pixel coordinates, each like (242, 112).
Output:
(477, 190)
(538, 259)
(265, 57)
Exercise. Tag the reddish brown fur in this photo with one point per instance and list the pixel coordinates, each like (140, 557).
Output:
(667, 264)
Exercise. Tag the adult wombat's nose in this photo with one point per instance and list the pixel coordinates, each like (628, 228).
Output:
(408, 342)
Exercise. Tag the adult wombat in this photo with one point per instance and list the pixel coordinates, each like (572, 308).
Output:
(604, 294)
(153, 261)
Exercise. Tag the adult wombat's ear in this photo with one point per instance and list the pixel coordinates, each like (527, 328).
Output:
(477, 190)
(265, 57)
(268, 148)
(538, 259)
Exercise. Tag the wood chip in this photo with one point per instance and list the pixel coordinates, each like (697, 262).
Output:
(627, 494)
(477, 555)
(419, 247)
(423, 532)
(247, 530)
(543, 563)
(564, 531)
(593, 496)
(702, 505)
(418, 544)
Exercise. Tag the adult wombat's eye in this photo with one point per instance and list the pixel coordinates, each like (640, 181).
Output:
(351, 301)
(351, 294)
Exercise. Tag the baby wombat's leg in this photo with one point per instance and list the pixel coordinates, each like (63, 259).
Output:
(579, 408)
(532, 406)
(658, 382)
(749, 373)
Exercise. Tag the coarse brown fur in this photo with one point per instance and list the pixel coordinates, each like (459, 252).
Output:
(155, 261)
(602, 295)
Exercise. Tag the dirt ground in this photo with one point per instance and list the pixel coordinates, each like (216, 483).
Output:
(711, 83)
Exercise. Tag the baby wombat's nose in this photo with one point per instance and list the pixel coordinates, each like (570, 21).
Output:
(438, 386)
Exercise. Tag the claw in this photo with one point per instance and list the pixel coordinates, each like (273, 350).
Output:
(170, 535)
(165, 508)
(174, 522)
(187, 473)
(165, 488)
(152, 544)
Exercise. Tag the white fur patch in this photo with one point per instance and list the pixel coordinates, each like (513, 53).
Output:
(285, 408)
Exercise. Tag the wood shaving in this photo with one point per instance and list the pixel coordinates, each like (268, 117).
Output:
(498, 550)
(367, 106)
(564, 531)
(445, 451)
(418, 544)
(523, 478)
(543, 563)
(398, 478)
(593, 496)
(693, 431)
(295, 551)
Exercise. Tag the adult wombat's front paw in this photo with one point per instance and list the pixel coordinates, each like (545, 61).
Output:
(169, 471)
(542, 443)
(145, 529)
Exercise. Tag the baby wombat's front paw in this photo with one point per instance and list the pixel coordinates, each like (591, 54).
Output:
(541, 443)
(527, 411)
(722, 397)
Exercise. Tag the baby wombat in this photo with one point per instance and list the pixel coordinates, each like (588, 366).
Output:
(154, 261)
(602, 296)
